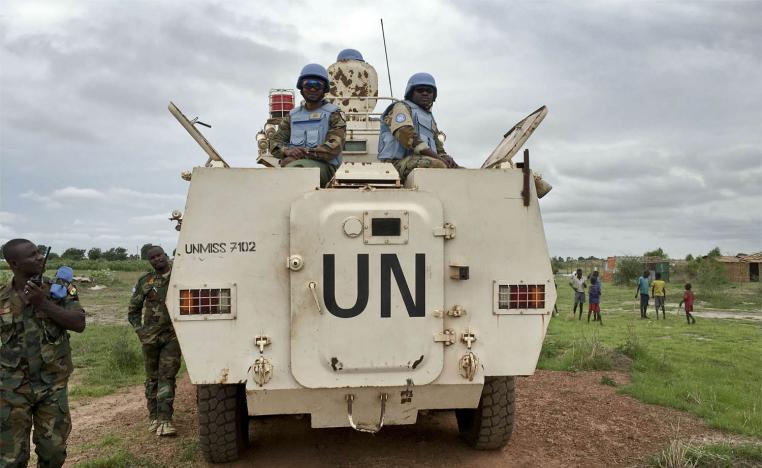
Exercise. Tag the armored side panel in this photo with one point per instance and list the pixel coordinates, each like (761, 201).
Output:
(501, 244)
(234, 238)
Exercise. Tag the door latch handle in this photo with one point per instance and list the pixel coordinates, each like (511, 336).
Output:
(313, 289)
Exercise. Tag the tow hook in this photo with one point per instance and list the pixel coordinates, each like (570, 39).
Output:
(362, 428)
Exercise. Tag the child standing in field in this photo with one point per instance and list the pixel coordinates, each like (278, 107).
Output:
(659, 293)
(688, 300)
(595, 300)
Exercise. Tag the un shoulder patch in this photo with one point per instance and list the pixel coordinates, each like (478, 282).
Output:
(399, 118)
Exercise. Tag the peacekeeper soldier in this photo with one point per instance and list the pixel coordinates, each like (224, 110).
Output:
(161, 350)
(312, 135)
(35, 359)
(408, 137)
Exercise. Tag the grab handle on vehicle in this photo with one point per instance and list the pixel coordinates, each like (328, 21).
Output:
(369, 429)
(313, 289)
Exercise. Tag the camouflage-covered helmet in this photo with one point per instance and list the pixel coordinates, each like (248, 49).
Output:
(420, 79)
(349, 54)
(313, 70)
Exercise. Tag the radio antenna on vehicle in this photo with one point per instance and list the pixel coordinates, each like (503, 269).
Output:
(386, 54)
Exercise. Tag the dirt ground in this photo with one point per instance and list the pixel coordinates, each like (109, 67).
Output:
(564, 419)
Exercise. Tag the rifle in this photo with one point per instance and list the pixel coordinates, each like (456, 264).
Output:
(37, 279)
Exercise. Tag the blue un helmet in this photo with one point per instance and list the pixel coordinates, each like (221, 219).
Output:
(60, 288)
(349, 54)
(420, 79)
(313, 70)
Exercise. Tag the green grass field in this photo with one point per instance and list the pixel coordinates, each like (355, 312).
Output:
(107, 355)
(80, 266)
(712, 369)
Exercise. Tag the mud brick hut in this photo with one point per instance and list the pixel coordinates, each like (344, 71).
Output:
(741, 268)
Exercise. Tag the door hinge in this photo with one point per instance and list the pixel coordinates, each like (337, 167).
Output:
(447, 337)
(447, 231)
(456, 311)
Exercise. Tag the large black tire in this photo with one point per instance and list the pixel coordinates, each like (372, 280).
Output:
(223, 422)
(489, 426)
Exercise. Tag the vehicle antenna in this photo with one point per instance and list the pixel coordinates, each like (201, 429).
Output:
(386, 54)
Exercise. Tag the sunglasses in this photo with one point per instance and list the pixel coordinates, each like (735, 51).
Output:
(314, 84)
(424, 89)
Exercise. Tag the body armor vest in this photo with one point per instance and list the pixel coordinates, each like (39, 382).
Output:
(423, 123)
(310, 128)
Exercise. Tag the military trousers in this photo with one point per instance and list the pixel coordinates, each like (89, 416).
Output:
(326, 170)
(406, 165)
(48, 412)
(162, 362)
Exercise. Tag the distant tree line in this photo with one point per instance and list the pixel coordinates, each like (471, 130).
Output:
(95, 253)
(705, 270)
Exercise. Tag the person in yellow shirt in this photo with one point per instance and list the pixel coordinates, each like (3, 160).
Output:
(659, 293)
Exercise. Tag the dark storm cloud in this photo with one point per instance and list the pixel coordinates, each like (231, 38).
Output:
(131, 58)
(636, 69)
(655, 123)
(84, 110)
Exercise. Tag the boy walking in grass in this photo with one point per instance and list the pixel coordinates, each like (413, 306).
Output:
(642, 290)
(688, 301)
(594, 294)
(659, 293)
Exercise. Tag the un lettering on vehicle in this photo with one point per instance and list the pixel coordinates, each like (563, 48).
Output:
(220, 247)
(389, 268)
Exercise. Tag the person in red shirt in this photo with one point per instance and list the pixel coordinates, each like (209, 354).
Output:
(688, 300)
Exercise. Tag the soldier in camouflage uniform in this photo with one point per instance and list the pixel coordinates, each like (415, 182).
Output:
(149, 317)
(409, 133)
(313, 134)
(35, 360)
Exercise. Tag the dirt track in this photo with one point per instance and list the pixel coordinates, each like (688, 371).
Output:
(564, 419)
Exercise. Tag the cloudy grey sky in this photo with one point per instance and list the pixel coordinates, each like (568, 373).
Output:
(654, 135)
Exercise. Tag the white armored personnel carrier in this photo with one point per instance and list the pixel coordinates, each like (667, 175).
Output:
(366, 302)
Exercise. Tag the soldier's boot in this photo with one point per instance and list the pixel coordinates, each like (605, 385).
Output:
(153, 425)
(166, 428)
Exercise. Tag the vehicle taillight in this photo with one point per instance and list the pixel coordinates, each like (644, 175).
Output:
(204, 301)
(521, 296)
